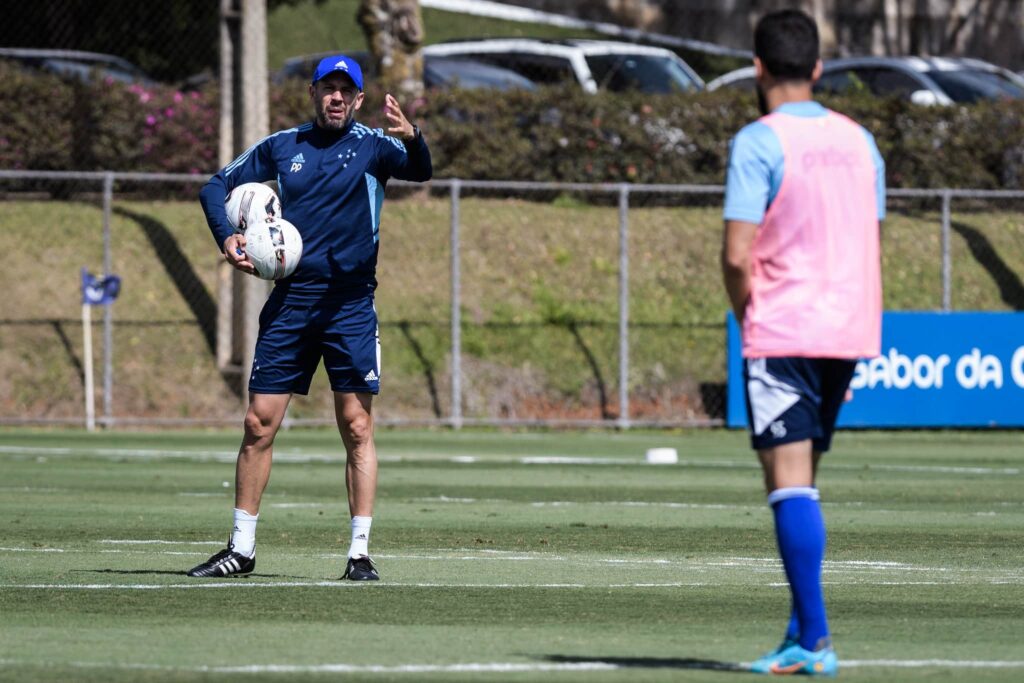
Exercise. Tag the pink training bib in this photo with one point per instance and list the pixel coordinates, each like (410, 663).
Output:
(816, 287)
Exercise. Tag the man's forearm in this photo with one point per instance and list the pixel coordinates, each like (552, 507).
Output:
(737, 285)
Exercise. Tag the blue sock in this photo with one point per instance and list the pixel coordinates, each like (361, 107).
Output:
(800, 531)
(793, 628)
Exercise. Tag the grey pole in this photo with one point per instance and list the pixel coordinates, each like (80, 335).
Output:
(623, 421)
(456, 350)
(108, 312)
(255, 105)
(947, 258)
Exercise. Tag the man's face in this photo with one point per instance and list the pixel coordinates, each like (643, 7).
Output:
(335, 100)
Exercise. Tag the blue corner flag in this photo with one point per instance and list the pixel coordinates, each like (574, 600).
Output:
(99, 291)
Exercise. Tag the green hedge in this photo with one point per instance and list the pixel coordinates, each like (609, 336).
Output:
(550, 135)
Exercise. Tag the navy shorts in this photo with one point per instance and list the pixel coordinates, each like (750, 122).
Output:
(294, 337)
(792, 399)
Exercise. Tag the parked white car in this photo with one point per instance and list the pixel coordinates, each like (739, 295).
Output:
(593, 64)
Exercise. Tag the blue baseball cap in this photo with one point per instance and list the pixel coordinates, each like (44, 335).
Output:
(346, 65)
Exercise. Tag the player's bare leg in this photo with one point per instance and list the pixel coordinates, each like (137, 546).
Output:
(252, 472)
(354, 415)
(788, 465)
(789, 473)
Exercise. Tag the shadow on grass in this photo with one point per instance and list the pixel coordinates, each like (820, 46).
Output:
(1011, 289)
(181, 273)
(58, 327)
(602, 388)
(428, 367)
(181, 572)
(650, 662)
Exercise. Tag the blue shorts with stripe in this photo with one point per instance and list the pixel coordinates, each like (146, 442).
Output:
(791, 399)
(294, 337)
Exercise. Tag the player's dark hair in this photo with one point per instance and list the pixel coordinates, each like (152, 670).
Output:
(786, 42)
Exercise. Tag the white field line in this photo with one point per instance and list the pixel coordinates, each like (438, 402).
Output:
(756, 564)
(928, 663)
(30, 489)
(155, 541)
(469, 668)
(640, 503)
(482, 667)
(296, 456)
(148, 553)
(288, 506)
(445, 500)
(337, 583)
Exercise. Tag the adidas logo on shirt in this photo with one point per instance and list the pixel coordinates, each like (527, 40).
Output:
(298, 158)
(371, 376)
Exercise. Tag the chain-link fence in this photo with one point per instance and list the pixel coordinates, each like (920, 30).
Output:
(500, 303)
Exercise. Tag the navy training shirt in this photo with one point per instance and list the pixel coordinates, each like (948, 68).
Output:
(331, 185)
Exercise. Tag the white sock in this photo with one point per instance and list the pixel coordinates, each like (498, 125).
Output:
(243, 536)
(360, 537)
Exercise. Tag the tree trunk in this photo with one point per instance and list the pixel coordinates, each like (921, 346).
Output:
(394, 32)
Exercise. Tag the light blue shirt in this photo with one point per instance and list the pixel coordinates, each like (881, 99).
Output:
(757, 163)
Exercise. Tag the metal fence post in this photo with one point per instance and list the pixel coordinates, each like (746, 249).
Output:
(947, 257)
(623, 421)
(456, 302)
(108, 310)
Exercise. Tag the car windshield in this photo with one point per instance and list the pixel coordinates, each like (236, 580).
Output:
(970, 86)
(646, 73)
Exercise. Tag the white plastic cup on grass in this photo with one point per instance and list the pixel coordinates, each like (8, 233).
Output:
(662, 456)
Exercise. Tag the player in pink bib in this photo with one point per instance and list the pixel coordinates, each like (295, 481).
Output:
(804, 196)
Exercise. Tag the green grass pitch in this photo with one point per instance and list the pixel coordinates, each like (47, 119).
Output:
(511, 556)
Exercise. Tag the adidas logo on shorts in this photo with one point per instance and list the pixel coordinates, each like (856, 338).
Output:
(371, 376)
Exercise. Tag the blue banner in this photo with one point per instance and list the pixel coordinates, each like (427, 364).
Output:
(936, 370)
(99, 291)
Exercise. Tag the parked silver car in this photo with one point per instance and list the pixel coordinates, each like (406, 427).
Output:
(922, 80)
(75, 64)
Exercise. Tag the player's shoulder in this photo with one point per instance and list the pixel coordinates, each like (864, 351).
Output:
(375, 135)
(756, 139)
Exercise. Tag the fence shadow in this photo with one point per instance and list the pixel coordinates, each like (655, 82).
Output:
(58, 328)
(602, 387)
(428, 368)
(1011, 289)
(181, 273)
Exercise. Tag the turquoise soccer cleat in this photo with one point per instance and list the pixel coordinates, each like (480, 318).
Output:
(791, 659)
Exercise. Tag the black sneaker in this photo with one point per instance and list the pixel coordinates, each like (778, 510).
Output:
(225, 563)
(360, 569)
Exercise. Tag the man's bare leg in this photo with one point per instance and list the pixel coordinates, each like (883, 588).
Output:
(355, 423)
(252, 471)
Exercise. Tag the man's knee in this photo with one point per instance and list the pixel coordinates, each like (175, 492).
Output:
(357, 428)
(259, 426)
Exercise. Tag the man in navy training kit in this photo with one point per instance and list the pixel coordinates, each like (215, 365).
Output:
(805, 192)
(331, 175)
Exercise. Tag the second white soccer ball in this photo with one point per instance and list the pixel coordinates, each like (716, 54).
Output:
(274, 248)
(251, 203)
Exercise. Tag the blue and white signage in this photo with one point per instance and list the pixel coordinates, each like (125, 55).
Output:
(936, 370)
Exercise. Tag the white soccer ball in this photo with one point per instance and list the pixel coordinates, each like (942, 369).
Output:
(251, 203)
(273, 247)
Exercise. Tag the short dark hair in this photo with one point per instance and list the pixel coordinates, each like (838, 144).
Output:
(786, 42)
